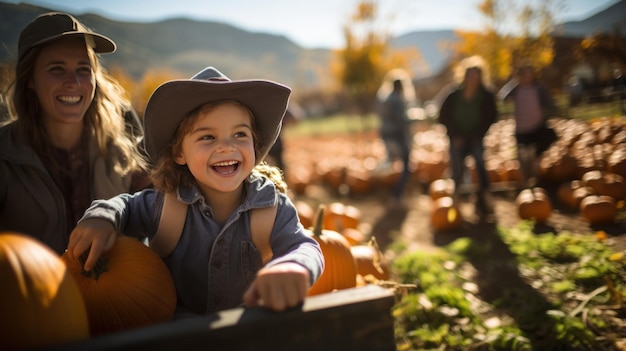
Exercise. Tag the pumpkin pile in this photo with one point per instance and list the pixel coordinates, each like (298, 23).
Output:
(588, 163)
(348, 258)
(40, 302)
(130, 287)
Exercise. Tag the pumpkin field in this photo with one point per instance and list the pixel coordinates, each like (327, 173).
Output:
(547, 272)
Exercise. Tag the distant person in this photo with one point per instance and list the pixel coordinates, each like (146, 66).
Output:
(65, 143)
(208, 149)
(467, 113)
(395, 95)
(532, 107)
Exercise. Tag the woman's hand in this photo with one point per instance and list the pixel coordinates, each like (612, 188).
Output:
(96, 235)
(278, 287)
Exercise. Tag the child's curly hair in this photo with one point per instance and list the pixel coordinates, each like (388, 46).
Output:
(168, 175)
(274, 174)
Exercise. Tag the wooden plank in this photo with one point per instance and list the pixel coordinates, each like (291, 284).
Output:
(351, 319)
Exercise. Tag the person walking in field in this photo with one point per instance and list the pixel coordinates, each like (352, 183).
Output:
(467, 113)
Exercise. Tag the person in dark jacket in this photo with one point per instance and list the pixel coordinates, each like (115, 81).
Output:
(70, 137)
(467, 113)
(396, 95)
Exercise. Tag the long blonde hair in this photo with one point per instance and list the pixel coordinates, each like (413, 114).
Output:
(167, 175)
(104, 119)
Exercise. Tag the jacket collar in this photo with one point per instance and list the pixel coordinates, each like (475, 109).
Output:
(260, 192)
(14, 150)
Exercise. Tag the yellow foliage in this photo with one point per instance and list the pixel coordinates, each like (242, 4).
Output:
(360, 66)
(504, 48)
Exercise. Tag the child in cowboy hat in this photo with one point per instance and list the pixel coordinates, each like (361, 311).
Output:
(207, 137)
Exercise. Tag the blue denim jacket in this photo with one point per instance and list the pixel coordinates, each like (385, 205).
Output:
(212, 266)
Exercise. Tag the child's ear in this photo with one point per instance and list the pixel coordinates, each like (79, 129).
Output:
(180, 159)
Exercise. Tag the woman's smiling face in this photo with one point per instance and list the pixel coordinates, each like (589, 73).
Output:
(219, 149)
(64, 81)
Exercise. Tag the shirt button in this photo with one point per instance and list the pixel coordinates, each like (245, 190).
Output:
(217, 264)
(220, 241)
(207, 213)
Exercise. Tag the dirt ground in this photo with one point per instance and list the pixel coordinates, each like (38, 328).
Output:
(410, 223)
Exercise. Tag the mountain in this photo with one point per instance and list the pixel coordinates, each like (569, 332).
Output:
(186, 46)
(607, 20)
(433, 45)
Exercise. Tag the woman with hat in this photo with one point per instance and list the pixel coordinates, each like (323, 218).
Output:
(66, 142)
(207, 137)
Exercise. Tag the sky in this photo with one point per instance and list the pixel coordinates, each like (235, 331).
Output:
(310, 24)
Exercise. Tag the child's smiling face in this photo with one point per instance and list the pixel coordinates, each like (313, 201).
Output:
(219, 149)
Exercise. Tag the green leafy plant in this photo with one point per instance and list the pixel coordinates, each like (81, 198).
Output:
(569, 294)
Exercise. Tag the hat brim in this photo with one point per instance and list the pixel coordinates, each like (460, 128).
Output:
(101, 43)
(174, 100)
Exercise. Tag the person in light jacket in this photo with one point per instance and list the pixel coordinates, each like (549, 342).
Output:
(532, 107)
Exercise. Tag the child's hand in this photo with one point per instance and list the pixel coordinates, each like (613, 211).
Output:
(99, 234)
(278, 287)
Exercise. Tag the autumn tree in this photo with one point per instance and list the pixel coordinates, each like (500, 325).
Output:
(367, 56)
(514, 31)
(138, 91)
(611, 46)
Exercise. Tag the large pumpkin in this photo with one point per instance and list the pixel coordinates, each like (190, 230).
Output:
(40, 303)
(534, 203)
(339, 268)
(130, 287)
(598, 209)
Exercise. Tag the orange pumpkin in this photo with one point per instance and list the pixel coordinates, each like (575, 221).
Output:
(573, 192)
(339, 268)
(606, 183)
(338, 216)
(130, 287)
(534, 203)
(40, 302)
(370, 260)
(440, 188)
(598, 209)
(445, 214)
(306, 214)
(354, 236)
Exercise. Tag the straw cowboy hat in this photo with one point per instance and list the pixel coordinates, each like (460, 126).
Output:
(56, 25)
(174, 100)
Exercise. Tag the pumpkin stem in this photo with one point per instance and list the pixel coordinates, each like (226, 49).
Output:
(319, 220)
(99, 268)
(376, 259)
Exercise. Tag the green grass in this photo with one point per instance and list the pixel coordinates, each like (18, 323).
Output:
(332, 125)
(514, 290)
(346, 124)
